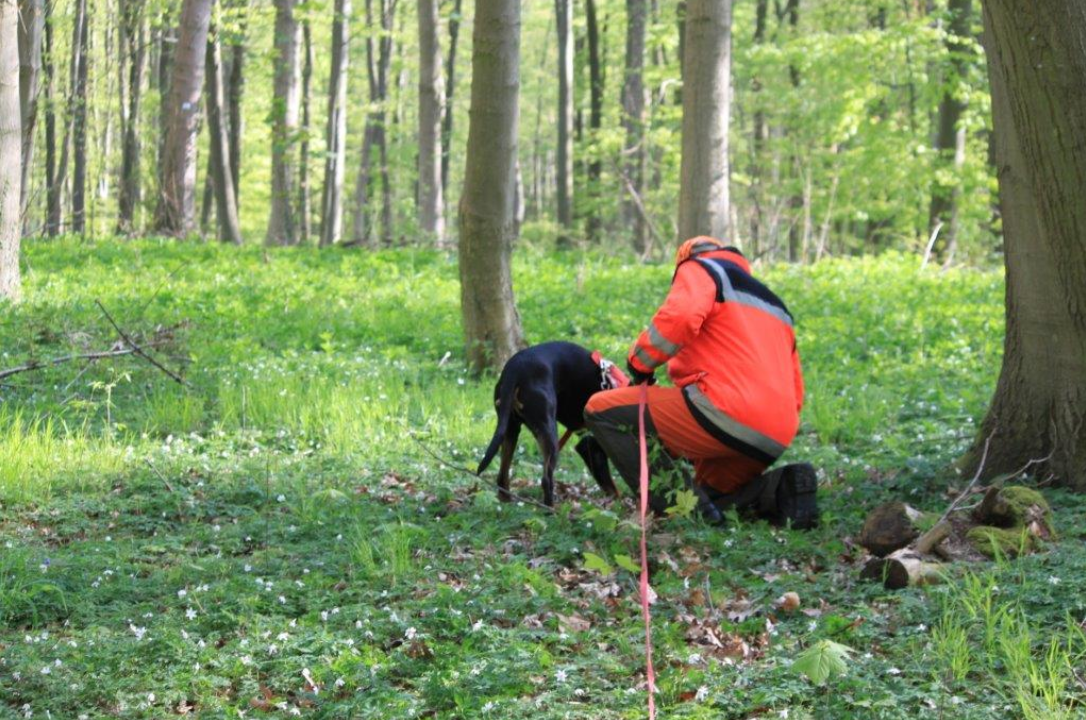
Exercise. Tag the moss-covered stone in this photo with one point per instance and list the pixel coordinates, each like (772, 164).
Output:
(1001, 542)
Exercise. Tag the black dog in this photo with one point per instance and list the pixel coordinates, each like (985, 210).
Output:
(540, 385)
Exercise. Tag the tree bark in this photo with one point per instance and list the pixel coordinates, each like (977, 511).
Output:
(234, 93)
(633, 119)
(492, 330)
(431, 204)
(759, 135)
(563, 10)
(176, 213)
(377, 69)
(52, 189)
(31, 25)
(595, 121)
(703, 191)
(10, 153)
(79, 121)
(226, 209)
(282, 224)
(450, 86)
(133, 42)
(336, 133)
(304, 204)
(1036, 66)
(949, 137)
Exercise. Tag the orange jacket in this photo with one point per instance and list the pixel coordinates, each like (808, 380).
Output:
(729, 342)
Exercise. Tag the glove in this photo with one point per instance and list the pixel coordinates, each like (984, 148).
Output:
(637, 377)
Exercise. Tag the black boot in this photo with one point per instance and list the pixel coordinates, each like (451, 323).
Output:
(789, 496)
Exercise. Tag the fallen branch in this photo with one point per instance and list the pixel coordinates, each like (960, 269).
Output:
(969, 487)
(137, 349)
(38, 365)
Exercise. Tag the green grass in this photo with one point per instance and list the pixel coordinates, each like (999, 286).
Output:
(214, 545)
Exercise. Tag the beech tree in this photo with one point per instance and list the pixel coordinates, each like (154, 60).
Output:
(1036, 65)
(703, 188)
(431, 105)
(282, 224)
(487, 216)
(563, 10)
(31, 25)
(176, 214)
(133, 43)
(633, 119)
(218, 166)
(10, 152)
(336, 133)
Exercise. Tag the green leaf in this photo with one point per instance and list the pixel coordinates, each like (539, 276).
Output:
(595, 563)
(685, 503)
(627, 563)
(823, 660)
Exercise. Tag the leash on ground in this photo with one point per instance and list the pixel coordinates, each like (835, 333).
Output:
(650, 673)
(478, 478)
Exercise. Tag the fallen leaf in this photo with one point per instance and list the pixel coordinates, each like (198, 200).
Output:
(788, 602)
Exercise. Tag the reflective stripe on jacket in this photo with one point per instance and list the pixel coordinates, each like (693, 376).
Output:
(729, 342)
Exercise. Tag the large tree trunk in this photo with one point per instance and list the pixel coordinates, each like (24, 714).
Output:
(633, 118)
(31, 24)
(176, 213)
(133, 43)
(450, 86)
(304, 204)
(336, 133)
(79, 122)
(431, 206)
(759, 135)
(10, 153)
(563, 10)
(282, 225)
(1036, 65)
(491, 324)
(949, 137)
(703, 191)
(595, 120)
(226, 209)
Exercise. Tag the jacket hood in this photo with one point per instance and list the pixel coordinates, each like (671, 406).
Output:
(704, 244)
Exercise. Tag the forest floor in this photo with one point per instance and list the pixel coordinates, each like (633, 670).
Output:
(272, 539)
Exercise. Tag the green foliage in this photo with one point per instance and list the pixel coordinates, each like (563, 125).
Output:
(289, 460)
(823, 660)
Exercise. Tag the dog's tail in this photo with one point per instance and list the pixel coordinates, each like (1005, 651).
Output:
(507, 392)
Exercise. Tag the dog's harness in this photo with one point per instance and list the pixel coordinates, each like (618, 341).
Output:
(611, 377)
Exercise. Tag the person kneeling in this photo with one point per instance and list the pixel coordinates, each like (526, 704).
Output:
(730, 348)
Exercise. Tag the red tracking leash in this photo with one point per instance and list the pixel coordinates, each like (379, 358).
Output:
(644, 481)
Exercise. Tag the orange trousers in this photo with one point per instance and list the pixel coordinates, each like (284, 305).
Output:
(611, 416)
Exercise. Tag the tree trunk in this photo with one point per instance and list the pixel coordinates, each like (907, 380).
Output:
(595, 121)
(234, 94)
(176, 214)
(949, 136)
(52, 188)
(1036, 66)
(226, 209)
(133, 41)
(564, 171)
(380, 136)
(450, 85)
(703, 191)
(759, 134)
(282, 225)
(491, 323)
(10, 153)
(633, 119)
(336, 134)
(431, 206)
(31, 24)
(304, 204)
(79, 121)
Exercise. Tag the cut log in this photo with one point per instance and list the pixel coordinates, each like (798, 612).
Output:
(902, 569)
(889, 527)
(1015, 506)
